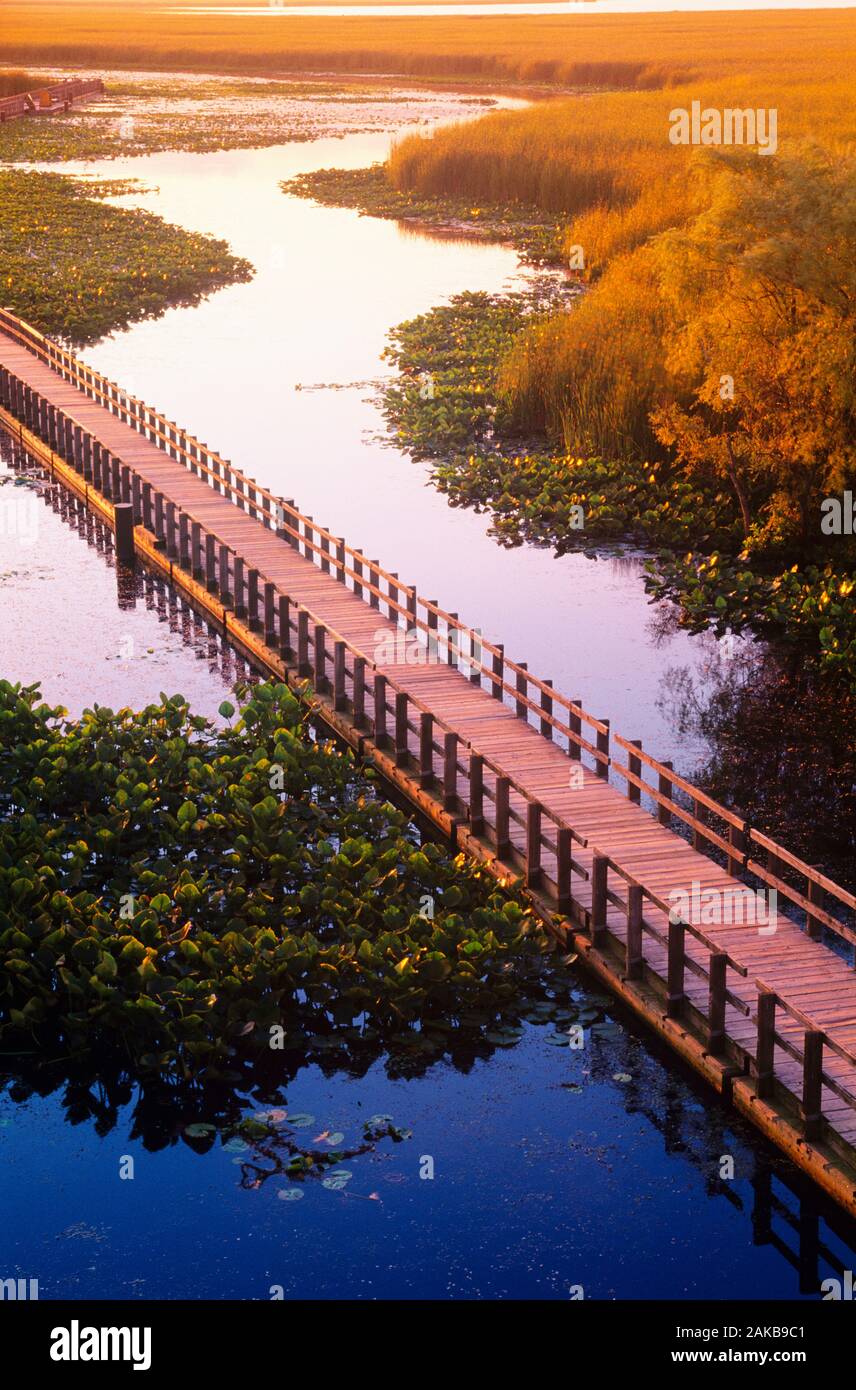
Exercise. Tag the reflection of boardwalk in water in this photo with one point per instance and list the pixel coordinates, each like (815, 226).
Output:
(785, 1210)
(516, 773)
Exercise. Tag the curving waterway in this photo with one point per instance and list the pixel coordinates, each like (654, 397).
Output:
(552, 1169)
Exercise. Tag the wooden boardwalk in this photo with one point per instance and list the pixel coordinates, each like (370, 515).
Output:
(639, 871)
(48, 101)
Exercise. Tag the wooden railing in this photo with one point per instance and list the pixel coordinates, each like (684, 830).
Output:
(61, 93)
(475, 790)
(713, 828)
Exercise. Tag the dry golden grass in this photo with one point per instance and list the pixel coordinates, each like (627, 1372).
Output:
(572, 51)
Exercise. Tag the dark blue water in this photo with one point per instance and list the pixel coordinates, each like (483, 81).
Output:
(552, 1168)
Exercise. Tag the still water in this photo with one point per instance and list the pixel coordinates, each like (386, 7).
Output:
(552, 1168)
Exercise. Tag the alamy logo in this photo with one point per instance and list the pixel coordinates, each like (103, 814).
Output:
(76, 1343)
(839, 515)
(732, 126)
(729, 906)
(16, 1289)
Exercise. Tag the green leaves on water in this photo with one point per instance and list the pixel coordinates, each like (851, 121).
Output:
(158, 897)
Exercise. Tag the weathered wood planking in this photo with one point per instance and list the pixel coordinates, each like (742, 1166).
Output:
(767, 1014)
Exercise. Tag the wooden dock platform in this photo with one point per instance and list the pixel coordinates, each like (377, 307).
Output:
(659, 888)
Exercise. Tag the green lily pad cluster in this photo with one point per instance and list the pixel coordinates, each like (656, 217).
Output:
(811, 604)
(179, 891)
(77, 268)
(445, 407)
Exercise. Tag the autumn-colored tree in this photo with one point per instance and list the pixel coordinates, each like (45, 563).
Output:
(761, 291)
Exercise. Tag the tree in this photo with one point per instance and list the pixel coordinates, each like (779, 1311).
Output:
(761, 291)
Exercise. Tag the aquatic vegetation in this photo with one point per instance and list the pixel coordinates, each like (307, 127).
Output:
(445, 406)
(180, 892)
(145, 114)
(59, 266)
(811, 604)
(536, 236)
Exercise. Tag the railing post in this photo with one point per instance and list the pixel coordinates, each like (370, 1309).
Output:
(452, 641)
(602, 768)
(633, 954)
(401, 748)
(766, 1044)
(476, 794)
(664, 787)
(498, 664)
(374, 582)
(450, 772)
(432, 632)
(426, 750)
(675, 968)
(475, 655)
(575, 725)
(547, 707)
(716, 1003)
(599, 867)
(634, 765)
(522, 681)
(814, 893)
(358, 572)
(737, 841)
(699, 814)
(812, 1109)
(533, 844)
(340, 559)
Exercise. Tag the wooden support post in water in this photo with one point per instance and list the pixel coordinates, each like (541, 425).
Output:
(269, 597)
(534, 872)
(196, 568)
(211, 563)
(599, 868)
(381, 735)
(564, 842)
(812, 1110)
(426, 750)
(602, 769)
(184, 540)
(676, 996)
(664, 786)
(401, 728)
(476, 794)
(303, 666)
(123, 516)
(634, 765)
(633, 952)
(765, 1048)
(359, 701)
(171, 547)
(450, 772)
(223, 583)
(253, 618)
(319, 672)
(501, 791)
(160, 521)
(716, 1003)
(340, 700)
(284, 624)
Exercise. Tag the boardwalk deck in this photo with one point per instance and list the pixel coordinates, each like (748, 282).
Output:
(765, 1009)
